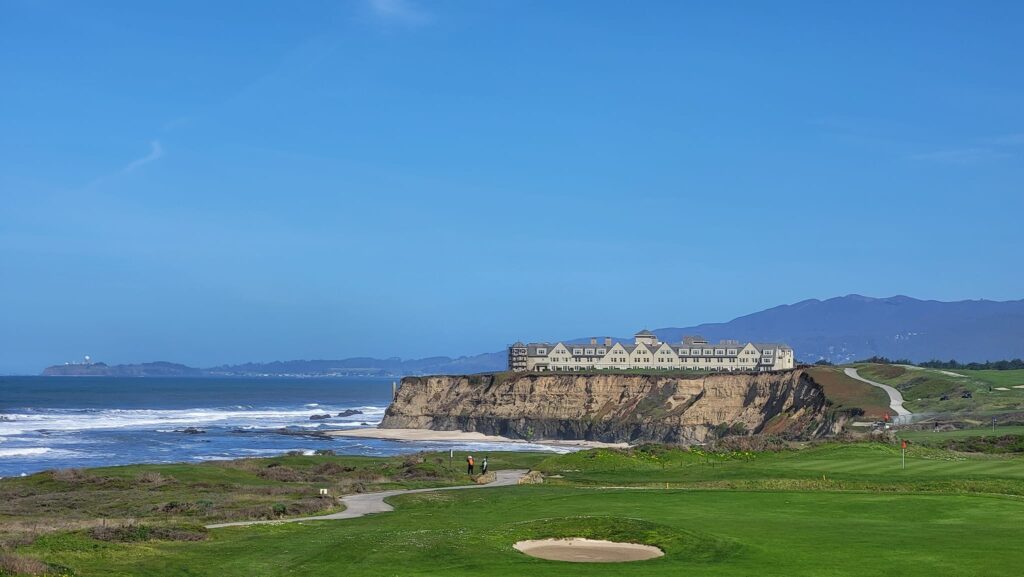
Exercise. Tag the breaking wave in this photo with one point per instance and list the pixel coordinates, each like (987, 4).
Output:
(67, 420)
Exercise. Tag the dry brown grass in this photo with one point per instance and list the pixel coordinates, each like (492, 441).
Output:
(15, 564)
(847, 393)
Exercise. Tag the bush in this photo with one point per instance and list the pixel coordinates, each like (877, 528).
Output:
(152, 478)
(279, 509)
(14, 564)
(283, 474)
(324, 452)
(133, 533)
(71, 476)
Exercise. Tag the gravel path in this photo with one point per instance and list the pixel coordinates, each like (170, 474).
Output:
(903, 416)
(367, 503)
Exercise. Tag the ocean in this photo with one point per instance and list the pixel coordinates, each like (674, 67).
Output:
(66, 422)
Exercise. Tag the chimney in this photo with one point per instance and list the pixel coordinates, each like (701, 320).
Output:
(607, 341)
(593, 340)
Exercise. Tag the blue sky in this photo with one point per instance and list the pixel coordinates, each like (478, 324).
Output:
(219, 182)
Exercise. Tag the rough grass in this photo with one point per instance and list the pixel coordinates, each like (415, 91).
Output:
(923, 388)
(846, 393)
(196, 494)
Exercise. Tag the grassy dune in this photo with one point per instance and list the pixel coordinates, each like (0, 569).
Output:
(830, 509)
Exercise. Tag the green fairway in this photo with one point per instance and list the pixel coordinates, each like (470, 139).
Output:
(707, 533)
(830, 509)
(961, 433)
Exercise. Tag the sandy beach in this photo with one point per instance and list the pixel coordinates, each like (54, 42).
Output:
(456, 436)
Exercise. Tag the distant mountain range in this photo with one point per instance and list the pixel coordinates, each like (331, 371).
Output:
(840, 329)
(853, 327)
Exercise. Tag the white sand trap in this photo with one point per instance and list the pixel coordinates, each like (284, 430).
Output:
(1018, 386)
(1002, 389)
(587, 550)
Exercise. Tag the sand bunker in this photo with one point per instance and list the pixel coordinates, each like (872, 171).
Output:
(1002, 389)
(587, 550)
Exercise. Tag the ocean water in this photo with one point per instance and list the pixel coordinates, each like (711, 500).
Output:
(63, 422)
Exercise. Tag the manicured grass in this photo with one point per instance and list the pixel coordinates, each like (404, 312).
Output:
(829, 509)
(867, 466)
(961, 433)
(996, 378)
(706, 533)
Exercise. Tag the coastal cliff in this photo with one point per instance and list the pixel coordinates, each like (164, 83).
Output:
(614, 407)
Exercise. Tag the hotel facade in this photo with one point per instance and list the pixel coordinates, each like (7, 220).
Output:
(647, 352)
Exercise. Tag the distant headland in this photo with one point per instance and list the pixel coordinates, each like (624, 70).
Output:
(838, 330)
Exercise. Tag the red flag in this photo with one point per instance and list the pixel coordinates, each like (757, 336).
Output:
(904, 444)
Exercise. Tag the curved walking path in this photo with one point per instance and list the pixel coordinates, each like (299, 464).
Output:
(361, 504)
(903, 416)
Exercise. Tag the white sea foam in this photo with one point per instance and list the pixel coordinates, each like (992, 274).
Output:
(37, 452)
(83, 420)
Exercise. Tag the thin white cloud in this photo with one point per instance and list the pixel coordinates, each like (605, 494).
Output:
(1008, 139)
(962, 156)
(155, 152)
(402, 11)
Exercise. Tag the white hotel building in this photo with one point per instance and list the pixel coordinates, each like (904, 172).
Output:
(647, 352)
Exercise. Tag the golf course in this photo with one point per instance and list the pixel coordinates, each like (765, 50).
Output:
(805, 509)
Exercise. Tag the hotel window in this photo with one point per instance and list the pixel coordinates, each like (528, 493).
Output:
(719, 351)
(542, 351)
(684, 351)
(768, 352)
(577, 351)
(601, 351)
(590, 351)
(708, 352)
(732, 351)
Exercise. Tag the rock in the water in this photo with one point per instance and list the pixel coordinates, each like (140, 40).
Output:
(319, 417)
(349, 413)
(192, 431)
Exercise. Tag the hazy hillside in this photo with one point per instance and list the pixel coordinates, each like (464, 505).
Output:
(856, 327)
(840, 329)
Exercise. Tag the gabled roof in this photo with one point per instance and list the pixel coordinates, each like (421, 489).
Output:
(644, 333)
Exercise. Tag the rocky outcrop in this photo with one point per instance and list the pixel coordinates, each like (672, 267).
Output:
(614, 407)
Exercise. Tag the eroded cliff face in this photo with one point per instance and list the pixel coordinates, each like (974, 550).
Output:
(613, 408)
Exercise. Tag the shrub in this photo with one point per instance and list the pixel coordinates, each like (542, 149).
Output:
(283, 474)
(14, 564)
(133, 533)
(152, 478)
(324, 452)
(279, 509)
(71, 476)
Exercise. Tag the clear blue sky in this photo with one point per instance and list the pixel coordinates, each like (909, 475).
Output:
(218, 182)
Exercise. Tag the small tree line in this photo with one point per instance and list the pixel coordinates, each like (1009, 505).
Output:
(1011, 365)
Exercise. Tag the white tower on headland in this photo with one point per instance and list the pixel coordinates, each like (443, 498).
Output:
(88, 360)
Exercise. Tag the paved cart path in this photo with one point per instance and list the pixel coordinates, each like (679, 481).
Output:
(366, 503)
(903, 416)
